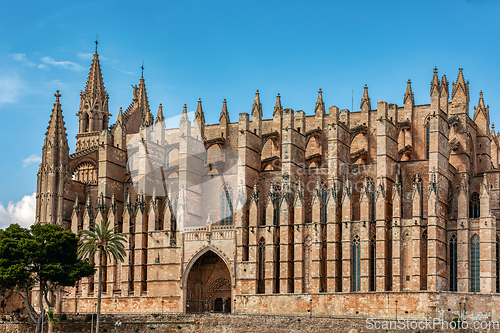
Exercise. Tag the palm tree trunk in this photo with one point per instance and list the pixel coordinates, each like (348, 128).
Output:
(99, 292)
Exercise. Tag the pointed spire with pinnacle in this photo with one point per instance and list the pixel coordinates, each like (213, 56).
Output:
(481, 108)
(159, 116)
(94, 100)
(143, 103)
(435, 82)
(184, 116)
(409, 94)
(95, 84)
(278, 109)
(224, 115)
(320, 105)
(56, 132)
(461, 87)
(256, 107)
(365, 100)
(199, 116)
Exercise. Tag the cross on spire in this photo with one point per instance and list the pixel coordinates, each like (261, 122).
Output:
(57, 95)
(142, 69)
(96, 42)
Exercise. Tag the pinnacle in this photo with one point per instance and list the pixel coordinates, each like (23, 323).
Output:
(365, 99)
(257, 106)
(56, 132)
(159, 116)
(320, 105)
(277, 107)
(95, 84)
(409, 93)
(224, 113)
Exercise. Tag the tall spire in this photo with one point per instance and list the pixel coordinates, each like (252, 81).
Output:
(54, 170)
(409, 94)
(93, 112)
(159, 116)
(256, 107)
(56, 132)
(143, 103)
(365, 100)
(278, 109)
(320, 105)
(224, 115)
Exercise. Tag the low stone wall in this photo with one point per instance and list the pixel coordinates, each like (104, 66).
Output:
(208, 323)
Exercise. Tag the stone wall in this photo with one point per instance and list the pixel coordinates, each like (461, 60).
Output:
(207, 323)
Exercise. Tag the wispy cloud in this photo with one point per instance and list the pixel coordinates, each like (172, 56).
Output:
(11, 87)
(89, 56)
(31, 159)
(21, 57)
(21, 212)
(62, 64)
(123, 71)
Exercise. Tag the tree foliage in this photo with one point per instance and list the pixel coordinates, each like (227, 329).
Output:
(44, 256)
(103, 241)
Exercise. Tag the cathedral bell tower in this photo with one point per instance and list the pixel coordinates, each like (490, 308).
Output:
(93, 113)
(54, 171)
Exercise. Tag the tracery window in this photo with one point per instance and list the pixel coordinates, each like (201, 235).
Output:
(474, 265)
(226, 205)
(453, 262)
(373, 266)
(474, 206)
(261, 267)
(356, 264)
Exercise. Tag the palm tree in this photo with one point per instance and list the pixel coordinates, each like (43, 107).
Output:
(102, 240)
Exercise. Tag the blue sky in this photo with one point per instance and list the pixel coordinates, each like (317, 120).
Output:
(226, 49)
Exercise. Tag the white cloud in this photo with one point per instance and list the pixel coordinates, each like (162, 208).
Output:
(42, 66)
(31, 159)
(89, 56)
(21, 57)
(11, 86)
(63, 64)
(21, 212)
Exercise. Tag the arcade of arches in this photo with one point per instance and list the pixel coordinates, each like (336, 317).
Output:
(208, 285)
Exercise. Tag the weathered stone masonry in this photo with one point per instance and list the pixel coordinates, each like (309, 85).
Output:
(338, 207)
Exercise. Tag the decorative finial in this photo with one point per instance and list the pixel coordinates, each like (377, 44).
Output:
(57, 95)
(460, 70)
(96, 42)
(142, 69)
(257, 91)
(409, 81)
(435, 69)
(320, 90)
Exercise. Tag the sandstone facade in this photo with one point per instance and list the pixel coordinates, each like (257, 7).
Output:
(341, 211)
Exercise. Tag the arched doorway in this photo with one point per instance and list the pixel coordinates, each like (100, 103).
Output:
(209, 285)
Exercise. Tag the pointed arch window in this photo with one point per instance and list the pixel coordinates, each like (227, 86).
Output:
(276, 213)
(324, 199)
(474, 265)
(373, 266)
(86, 122)
(453, 263)
(261, 267)
(226, 205)
(356, 264)
(372, 201)
(427, 138)
(474, 206)
(498, 266)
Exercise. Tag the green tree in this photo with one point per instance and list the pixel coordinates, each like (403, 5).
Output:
(44, 256)
(103, 241)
